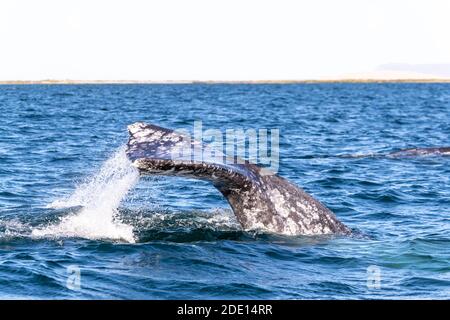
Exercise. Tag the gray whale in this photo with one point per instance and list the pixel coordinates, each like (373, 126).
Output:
(259, 200)
(414, 152)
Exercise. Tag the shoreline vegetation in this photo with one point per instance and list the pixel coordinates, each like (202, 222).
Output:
(19, 82)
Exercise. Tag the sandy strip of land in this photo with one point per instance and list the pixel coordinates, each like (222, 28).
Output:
(356, 80)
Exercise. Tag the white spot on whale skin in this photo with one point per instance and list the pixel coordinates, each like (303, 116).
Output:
(291, 227)
(279, 202)
(136, 127)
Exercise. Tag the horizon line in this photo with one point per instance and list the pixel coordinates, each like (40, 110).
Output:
(293, 81)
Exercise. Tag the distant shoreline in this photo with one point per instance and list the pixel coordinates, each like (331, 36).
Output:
(25, 82)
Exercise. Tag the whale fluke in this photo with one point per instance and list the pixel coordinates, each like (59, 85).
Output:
(259, 200)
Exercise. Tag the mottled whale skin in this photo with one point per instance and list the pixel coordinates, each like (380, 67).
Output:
(414, 152)
(259, 199)
(404, 153)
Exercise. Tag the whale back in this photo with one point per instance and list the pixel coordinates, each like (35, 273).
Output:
(415, 152)
(259, 199)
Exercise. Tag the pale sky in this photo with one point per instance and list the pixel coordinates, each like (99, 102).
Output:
(217, 39)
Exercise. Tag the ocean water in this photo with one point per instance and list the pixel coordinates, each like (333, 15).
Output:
(77, 222)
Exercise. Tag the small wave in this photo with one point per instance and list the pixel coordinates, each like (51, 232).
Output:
(63, 94)
(360, 155)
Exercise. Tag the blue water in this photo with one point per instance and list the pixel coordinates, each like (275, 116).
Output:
(54, 140)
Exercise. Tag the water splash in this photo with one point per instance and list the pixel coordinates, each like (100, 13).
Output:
(99, 197)
(12, 228)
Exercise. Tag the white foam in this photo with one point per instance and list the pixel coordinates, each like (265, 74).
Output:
(100, 196)
(12, 228)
